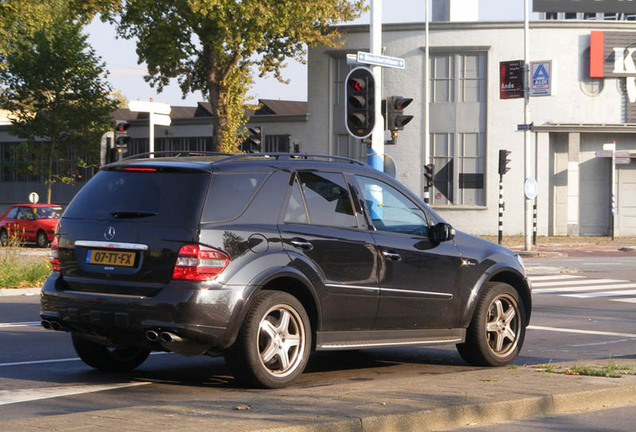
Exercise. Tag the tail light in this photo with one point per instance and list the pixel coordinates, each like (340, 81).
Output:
(199, 263)
(54, 254)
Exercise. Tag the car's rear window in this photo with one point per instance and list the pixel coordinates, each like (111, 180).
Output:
(229, 195)
(153, 197)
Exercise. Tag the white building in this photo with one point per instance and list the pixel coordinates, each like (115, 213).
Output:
(470, 123)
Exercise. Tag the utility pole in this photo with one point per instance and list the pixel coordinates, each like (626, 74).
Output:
(375, 45)
(527, 208)
(427, 125)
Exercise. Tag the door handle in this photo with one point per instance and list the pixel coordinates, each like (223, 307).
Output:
(301, 244)
(391, 256)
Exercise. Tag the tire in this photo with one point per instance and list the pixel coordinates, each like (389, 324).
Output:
(498, 327)
(273, 344)
(101, 357)
(41, 239)
(4, 237)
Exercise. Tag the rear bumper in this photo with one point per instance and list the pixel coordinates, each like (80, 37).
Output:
(197, 315)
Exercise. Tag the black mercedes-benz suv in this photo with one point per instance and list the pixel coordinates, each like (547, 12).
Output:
(265, 257)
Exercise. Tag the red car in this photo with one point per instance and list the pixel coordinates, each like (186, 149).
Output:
(33, 223)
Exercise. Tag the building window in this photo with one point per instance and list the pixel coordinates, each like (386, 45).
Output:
(471, 81)
(442, 70)
(458, 128)
(551, 16)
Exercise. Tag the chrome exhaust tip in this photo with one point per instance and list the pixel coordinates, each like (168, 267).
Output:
(152, 335)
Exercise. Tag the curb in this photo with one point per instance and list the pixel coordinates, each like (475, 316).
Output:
(477, 414)
(15, 292)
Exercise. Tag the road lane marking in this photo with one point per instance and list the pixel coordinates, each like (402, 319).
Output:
(602, 294)
(20, 324)
(627, 300)
(553, 277)
(37, 362)
(576, 282)
(589, 332)
(27, 395)
(584, 288)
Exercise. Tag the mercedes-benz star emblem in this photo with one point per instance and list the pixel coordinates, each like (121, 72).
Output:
(109, 234)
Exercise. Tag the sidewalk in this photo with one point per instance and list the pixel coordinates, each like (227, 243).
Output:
(430, 398)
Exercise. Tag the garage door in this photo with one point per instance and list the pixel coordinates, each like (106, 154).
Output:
(626, 176)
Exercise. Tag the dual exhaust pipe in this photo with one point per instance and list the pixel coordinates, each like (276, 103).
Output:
(52, 325)
(164, 337)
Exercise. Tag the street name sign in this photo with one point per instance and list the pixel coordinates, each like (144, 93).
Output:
(153, 107)
(381, 60)
(621, 154)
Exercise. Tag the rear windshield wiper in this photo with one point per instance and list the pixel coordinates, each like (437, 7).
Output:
(132, 214)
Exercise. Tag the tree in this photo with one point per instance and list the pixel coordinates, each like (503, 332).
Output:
(53, 84)
(211, 45)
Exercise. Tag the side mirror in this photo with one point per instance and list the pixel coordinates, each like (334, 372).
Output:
(442, 232)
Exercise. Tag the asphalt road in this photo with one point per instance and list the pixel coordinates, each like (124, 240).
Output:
(573, 319)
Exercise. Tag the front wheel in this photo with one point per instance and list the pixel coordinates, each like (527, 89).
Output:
(272, 348)
(497, 330)
(101, 357)
(41, 239)
(4, 237)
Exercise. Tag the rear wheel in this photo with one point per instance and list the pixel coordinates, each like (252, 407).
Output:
(497, 330)
(4, 237)
(41, 239)
(272, 348)
(118, 359)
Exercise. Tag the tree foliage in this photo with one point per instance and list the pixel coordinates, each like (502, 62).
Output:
(212, 45)
(53, 85)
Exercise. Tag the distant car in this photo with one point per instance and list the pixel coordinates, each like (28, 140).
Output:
(32, 223)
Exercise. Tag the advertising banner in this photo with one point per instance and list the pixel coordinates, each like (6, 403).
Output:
(511, 79)
(541, 78)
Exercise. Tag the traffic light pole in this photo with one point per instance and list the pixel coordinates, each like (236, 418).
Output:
(527, 208)
(502, 207)
(375, 44)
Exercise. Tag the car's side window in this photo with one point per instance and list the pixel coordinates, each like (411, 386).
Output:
(13, 213)
(230, 193)
(390, 209)
(327, 200)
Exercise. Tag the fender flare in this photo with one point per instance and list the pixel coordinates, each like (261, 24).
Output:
(258, 284)
(500, 272)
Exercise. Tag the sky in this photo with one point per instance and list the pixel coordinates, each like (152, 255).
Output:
(127, 76)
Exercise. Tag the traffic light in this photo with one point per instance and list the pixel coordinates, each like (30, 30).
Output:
(359, 106)
(121, 138)
(395, 118)
(253, 143)
(429, 172)
(503, 161)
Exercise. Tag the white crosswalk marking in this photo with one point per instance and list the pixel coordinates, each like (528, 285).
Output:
(602, 294)
(554, 277)
(577, 286)
(584, 288)
(576, 282)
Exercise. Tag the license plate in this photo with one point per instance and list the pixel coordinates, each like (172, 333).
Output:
(112, 258)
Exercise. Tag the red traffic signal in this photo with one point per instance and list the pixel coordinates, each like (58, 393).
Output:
(359, 102)
(395, 117)
(122, 127)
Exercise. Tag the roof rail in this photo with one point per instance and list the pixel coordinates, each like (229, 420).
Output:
(176, 153)
(233, 157)
(291, 156)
